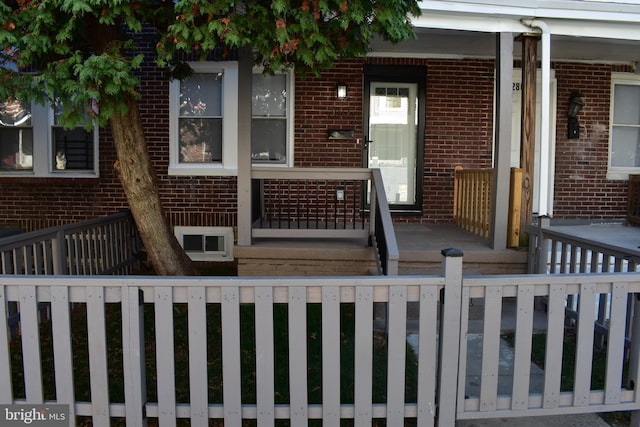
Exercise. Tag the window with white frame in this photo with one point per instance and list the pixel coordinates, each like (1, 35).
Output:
(203, 120)
(271, 123)
(624, 136)
(33, 142)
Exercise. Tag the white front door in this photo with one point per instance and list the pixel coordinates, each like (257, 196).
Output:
(393, 132)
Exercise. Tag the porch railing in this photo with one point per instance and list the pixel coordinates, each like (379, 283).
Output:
(326, 203)
(108, 245)
(555, 252)
(472, 202)
(215, 355)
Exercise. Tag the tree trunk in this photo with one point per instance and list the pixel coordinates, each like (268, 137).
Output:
(139, 182)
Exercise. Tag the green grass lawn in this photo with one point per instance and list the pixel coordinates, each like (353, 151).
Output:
(214, 348)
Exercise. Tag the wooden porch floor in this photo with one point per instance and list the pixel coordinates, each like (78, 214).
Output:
(420, 246)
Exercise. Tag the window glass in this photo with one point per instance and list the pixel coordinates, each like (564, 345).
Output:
(72, 148)
(16, 136)
(200, 118)
(625, 132)
(269, 123)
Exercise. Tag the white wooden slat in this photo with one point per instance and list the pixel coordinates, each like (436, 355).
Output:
(231, 373)
(133, 356)
(584, 345)
(198, 378)
(62, 350)
(98, 371)
(554, 346)
(6, 394)
(264, 356)
(462, 360)
(396, 349)
(615, 343)
(330, 356)
(165, 356)
(30, 344)
(298, 355)
(491, 348)
(363, 356)
(427, 355)
(522, 352)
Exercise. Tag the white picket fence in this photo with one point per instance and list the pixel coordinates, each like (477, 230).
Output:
(445, 304)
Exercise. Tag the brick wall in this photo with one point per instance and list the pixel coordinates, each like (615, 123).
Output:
(458, 131)
(581, 187)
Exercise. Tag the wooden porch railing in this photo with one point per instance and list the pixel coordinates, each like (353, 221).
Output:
(472, 202)
(108, 245)
(555, 252)
(134, 351)
(303, 203)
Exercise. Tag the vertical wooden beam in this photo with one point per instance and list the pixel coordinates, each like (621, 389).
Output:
(528, 133)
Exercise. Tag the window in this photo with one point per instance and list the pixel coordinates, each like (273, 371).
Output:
(73, 149)
(16, 137)
(271, 124)
(206, 243)
(203, 120)
(33, 142)
(624, 144)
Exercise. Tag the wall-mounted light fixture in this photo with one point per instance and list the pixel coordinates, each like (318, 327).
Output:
(341, 90)
(576, 102)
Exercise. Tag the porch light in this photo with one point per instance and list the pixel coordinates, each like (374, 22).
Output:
(576, 102)
(341, 90)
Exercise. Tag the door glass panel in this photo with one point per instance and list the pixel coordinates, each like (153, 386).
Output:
(393, 124)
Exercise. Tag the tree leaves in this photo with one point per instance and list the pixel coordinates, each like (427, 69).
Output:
(84, 52)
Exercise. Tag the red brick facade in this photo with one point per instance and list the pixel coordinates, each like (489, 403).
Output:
(458, 131)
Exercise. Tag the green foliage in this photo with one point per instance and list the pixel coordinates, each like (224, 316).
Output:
(306, 34)
(83, 53)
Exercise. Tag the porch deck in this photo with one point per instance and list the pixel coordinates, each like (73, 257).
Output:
(420, 246)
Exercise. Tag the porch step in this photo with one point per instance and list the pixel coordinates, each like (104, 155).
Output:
(306, 258)
(487, 261)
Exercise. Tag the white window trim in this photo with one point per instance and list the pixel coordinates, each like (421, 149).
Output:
(226, 232)
(617, 172)
(42, 124)
(290, 117)
(229, 164)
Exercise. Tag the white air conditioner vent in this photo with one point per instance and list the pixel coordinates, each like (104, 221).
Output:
(206, 243)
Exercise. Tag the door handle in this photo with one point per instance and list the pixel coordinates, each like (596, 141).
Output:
(365, 143)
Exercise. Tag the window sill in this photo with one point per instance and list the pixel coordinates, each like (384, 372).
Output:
(205, 170)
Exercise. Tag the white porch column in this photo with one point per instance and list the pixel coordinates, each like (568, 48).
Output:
(502, 151)
(245, 78)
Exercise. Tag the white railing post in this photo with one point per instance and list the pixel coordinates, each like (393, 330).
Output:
(373, 201)
(133, 354)
(634, 359)
(449, 337)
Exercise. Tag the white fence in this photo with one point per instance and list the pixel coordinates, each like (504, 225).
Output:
(305, 349)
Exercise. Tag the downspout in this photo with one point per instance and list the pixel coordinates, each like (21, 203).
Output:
(545, 113)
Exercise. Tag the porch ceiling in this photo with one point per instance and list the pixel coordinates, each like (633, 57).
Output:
(441, 43)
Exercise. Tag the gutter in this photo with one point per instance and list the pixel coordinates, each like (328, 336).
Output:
(546, 160)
